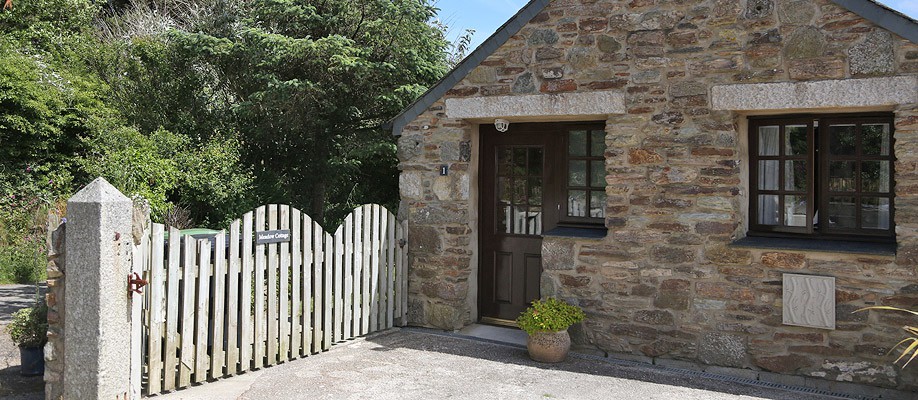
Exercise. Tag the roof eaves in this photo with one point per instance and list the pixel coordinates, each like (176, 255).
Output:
(887, 18)
(488, 47)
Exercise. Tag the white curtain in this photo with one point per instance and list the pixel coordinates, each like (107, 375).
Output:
(769, 170)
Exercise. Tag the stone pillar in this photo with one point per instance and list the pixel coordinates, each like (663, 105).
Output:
(98, 311)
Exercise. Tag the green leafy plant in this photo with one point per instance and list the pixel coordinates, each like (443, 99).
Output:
(30, 326)
(549, 315)
(910, 344)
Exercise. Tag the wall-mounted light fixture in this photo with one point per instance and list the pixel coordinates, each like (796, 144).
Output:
(501, 125)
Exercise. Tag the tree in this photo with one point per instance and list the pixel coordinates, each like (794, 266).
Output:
(312, 81)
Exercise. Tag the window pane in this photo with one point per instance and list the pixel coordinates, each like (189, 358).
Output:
(795, 210)
(598, 174)
(768, 209)
(842, 212)
(519, 190)
(875, 176)
(576, 203)
(795, 140)
(597, 143)
(535, 191)
(768, 174)
(503, 222)
(876, 139)
(534, 221)
(504, 160)
(520, 216)
(768, 140)
(841, 176)
(519, 161)
(576, 173)
(875, 213)
(535, 161)
(795, 175)
(577, 143)
(598, 204)
(842, 140)
(505, 189)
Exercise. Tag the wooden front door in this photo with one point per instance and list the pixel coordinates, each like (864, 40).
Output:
(515, 172)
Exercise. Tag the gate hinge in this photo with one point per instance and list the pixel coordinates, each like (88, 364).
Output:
(135, 283)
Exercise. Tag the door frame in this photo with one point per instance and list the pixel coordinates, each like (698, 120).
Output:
(476, 196)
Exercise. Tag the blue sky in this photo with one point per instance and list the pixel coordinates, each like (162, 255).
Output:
(485, 16)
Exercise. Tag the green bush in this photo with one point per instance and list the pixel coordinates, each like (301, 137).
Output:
(549, 315)
(30, 326)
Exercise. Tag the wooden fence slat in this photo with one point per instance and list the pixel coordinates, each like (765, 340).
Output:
(284, 295)
(337, 264)
(188, 311)
(296, 258)
(170, 364)
(404, 278)
(366, 248)
(247, 331)
(260, 267)
(318, 276)
(374, 277)
(357, 250)
(308, 274)
(140, 324)
(157, 309)
(348, 265)
(218, 356)
(328, 296)
(390, 269)
(232, 301)
(203, 320)
(273, 261)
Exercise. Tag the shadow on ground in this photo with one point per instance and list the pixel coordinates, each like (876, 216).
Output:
(484, 350)
(15, 386)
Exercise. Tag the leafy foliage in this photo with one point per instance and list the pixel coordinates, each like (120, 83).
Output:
(29, 327)
(311, 83)
(909, 345)
(551, 315)
(206, 108)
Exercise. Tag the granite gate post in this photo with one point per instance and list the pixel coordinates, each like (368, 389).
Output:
(98, 308)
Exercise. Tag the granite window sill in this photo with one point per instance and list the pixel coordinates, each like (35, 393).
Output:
(577, 232)
(818, 245)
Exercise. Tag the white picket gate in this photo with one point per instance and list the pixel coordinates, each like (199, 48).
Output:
(215, 308)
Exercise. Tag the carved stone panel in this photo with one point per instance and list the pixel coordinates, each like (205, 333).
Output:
(809, 301)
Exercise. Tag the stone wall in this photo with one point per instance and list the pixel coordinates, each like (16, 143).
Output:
(54, 350)
(666, 282)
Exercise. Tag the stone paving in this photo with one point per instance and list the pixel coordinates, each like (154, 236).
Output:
(413, 364)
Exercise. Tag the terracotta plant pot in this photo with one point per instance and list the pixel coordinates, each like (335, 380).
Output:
(549, 347)
(32, 361)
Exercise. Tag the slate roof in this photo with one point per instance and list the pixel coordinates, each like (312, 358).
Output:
(871, 10)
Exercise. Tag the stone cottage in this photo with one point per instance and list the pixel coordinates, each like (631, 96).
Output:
(717, 182)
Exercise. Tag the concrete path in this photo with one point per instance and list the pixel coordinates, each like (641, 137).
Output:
(13, 385)
(412, 364)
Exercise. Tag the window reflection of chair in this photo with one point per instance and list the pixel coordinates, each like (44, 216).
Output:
(524, 221)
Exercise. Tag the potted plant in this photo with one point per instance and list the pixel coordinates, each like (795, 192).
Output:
(29, 331)
(546, 322)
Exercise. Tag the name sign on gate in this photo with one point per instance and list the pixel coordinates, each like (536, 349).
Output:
(268, 237)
